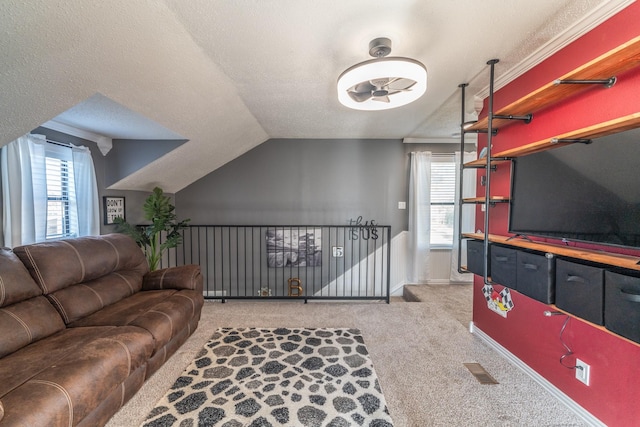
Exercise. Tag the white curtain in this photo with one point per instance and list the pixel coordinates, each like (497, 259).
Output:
(21, 216)
(24, 190)
(419, 217)
(468, 215)
(87, 203)
(38, 152)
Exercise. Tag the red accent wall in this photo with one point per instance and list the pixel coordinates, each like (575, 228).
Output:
(614, 392)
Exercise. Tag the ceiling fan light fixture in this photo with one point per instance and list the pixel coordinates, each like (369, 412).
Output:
(382, 83)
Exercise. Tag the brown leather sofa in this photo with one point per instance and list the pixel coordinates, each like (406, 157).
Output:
(83, 324)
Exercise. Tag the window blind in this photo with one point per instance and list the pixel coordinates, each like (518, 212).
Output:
(443, 181)
(60, 191)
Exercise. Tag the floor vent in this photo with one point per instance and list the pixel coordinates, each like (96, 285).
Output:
(480, 373)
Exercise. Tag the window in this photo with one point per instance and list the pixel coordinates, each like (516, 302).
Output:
(443, 192)
(60, 190)
(49, 191)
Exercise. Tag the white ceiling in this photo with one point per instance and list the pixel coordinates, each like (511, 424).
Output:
(229, 74)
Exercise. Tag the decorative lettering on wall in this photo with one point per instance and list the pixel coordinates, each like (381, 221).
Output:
(113, 208)
(365, 231)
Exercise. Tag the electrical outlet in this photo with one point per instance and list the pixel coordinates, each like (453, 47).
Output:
(583, 371)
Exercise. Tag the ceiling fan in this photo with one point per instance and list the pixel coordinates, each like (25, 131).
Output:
(383, 82)
(380, 89)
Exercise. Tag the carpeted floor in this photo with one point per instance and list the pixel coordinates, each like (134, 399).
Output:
(418, 350)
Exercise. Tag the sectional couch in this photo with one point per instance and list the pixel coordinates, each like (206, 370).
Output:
(83, 323)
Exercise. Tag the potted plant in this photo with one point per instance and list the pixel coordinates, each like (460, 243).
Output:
(159, 211)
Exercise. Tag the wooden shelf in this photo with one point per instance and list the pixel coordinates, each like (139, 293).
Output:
(601, 129)
(600, 257)
(609, 127)
(481, 200)
(482, 163)
(616, 61)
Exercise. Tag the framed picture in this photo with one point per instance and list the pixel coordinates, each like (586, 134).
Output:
(294, 247)
(113, 208)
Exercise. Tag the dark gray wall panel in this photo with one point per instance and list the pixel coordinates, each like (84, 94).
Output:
(129, 155)
(311, 181)
(285, 181)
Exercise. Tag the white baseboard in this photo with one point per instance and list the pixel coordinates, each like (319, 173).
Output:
(556, 392)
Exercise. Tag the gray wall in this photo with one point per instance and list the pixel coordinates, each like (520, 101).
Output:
(129, 155)
(307, 182)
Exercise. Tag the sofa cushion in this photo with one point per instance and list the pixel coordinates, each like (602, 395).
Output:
(163, 313)
(28, 362)
(25, 315)
(83, 367)
(15, 282)
(26, 322)
(56, 265)
(78, 301)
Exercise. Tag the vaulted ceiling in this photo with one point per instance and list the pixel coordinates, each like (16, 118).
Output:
(229, 74)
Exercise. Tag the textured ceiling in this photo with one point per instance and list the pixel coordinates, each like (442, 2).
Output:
(229, 74)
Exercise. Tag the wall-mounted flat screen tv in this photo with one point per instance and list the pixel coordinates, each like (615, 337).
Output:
(583, 192)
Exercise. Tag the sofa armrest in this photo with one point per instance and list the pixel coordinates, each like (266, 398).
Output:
(181, 277)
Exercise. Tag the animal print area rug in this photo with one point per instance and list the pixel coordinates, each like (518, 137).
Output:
(258, 377)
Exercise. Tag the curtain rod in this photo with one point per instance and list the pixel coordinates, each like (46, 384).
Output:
(435, 154)
(64, 144)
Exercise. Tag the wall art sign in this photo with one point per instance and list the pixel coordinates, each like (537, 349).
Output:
(294, 247)
(113, 208)
(365, 231)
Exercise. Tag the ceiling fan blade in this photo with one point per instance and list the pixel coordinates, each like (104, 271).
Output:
(359, 96)
(362, 87)
(381, 99)
(393, 80)
(400, 84)
(361, 92)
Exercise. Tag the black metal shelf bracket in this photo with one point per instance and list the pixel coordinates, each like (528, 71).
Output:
(467, 125)
(491, 203)
(525, 118)
(570, 141)
(494, 132)
(605, 82)
(482, 166)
